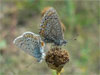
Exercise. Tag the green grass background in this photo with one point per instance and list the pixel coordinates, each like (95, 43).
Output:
(80, 17)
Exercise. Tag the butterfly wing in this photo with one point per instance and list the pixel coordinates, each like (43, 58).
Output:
(31, 44)
(45, 10)
(51, 28)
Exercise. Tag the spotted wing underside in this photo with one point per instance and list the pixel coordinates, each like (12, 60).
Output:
(51, 26)
(31, 44)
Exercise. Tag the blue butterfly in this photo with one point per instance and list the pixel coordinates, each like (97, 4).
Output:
(51, 28)
(32, 44)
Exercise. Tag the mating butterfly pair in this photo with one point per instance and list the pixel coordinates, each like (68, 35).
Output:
(50, 29)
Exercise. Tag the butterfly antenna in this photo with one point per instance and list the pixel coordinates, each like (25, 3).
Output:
(28, 66)
(74, 37)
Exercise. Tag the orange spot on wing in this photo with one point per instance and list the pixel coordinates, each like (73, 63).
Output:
(42, 43)
(41, 32)
(44, 10)
(43, 26)
(63, 26)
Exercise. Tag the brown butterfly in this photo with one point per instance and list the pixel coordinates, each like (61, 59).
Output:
(51, 27)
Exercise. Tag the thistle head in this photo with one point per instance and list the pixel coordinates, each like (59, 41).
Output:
(56, 58)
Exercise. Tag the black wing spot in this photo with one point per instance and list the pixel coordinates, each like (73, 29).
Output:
(21, 44)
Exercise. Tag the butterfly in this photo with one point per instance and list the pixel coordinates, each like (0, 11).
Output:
(45, 10)
(51, 28)
(32, 44)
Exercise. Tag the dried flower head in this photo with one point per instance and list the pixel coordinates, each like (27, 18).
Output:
(56, 58)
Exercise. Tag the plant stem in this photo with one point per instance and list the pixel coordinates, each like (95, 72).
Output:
(58, 73)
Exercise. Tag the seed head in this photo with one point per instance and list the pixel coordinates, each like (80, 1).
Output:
(56, 58)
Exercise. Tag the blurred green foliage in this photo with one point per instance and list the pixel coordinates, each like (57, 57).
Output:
(79, 17)
(3, 44)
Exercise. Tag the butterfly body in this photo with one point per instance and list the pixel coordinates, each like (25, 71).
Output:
(31, 43)
(51, 28)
